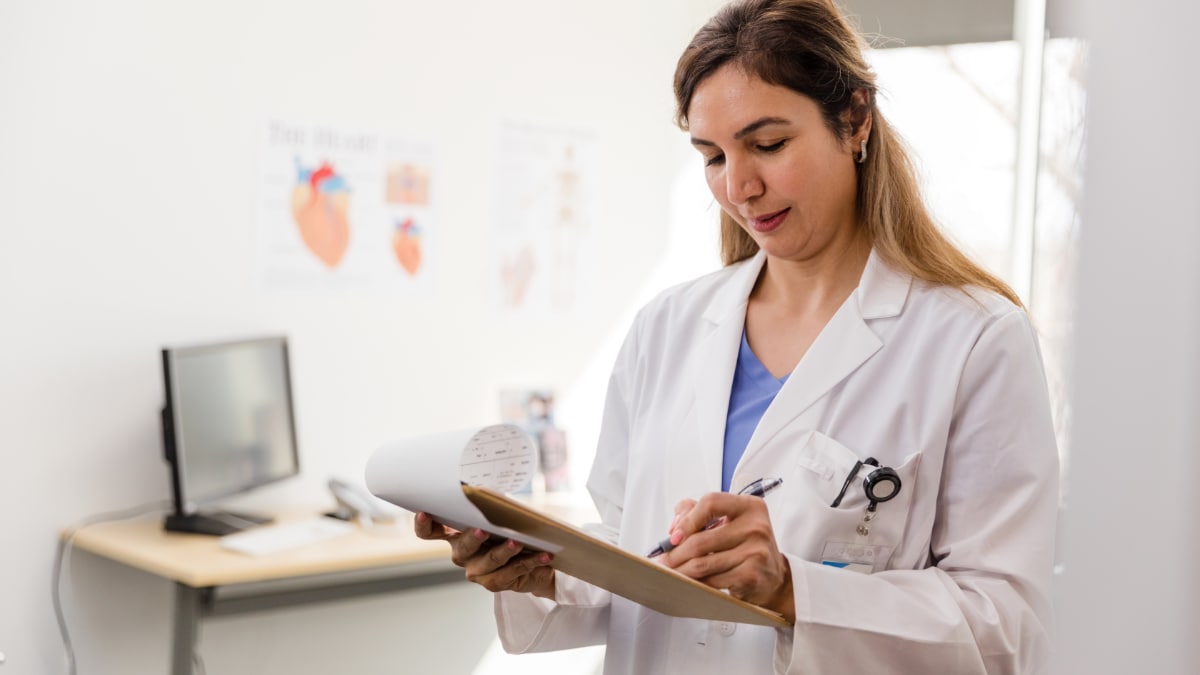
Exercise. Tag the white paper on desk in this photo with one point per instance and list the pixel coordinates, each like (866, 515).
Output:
(427, 473)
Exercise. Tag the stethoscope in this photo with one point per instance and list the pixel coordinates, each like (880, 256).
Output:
(880, 485)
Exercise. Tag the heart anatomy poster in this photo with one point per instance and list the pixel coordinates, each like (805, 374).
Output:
(543, 215)
(344, 208)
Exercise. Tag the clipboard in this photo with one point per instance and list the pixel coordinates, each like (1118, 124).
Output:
(628, 575)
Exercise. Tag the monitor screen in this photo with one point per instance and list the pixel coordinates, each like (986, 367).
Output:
(228, 422)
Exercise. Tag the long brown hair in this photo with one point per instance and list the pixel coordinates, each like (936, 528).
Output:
(809, 47)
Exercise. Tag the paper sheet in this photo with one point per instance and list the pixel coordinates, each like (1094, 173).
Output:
(427, 473)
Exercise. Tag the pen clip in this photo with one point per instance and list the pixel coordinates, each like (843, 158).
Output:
(761, 486)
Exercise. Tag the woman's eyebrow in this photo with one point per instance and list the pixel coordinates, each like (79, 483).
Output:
(746, 130)
(756, 125)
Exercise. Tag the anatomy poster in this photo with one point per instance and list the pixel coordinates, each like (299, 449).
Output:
(344, 208)
(542, 219)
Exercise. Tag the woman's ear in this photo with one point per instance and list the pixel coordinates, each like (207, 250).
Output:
(859, 115)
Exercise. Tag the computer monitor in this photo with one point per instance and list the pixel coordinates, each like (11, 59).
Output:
(227, 427)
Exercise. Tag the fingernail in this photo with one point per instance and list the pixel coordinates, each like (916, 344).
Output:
(676, 537)
(512, 545)
(545, 558)
(480, 534)
(422, 517)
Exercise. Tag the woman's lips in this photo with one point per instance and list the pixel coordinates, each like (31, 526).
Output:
(768, 222)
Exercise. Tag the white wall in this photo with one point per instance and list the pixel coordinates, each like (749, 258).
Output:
(1129, 597)
(128, 139)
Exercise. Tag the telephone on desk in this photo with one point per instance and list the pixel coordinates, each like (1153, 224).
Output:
(355, 503)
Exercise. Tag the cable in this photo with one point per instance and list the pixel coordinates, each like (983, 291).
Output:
(61, 556)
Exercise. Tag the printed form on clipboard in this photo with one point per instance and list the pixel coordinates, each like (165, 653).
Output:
(461, 478)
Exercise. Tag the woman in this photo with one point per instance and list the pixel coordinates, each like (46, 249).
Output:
(845, 341)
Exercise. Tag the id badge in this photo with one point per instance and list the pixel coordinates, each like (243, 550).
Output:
(863, 558)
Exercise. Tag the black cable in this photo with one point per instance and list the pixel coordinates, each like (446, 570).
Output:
(845, 486)
(61, 554)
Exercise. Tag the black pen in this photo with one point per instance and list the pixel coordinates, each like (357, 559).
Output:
(758, 488)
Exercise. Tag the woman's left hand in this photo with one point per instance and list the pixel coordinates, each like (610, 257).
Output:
(739, 553)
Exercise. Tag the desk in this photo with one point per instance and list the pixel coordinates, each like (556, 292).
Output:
(212, 581)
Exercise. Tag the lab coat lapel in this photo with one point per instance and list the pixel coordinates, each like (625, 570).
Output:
(845, 343)
(711, 372)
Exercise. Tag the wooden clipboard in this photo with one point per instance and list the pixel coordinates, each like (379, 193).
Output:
(628, 575)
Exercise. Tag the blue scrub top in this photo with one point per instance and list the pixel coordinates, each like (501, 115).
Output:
(754, 387)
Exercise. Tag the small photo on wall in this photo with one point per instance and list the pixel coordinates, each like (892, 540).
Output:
(533, 411)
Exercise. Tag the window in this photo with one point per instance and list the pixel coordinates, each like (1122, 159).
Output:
(957, 106)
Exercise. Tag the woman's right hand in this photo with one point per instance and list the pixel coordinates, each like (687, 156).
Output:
(496, 564)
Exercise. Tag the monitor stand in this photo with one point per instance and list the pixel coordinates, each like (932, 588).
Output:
(217, 523)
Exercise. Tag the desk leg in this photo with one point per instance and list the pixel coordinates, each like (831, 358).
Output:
(188, 601)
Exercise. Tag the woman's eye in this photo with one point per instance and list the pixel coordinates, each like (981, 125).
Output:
(714, 160)
(774, 147)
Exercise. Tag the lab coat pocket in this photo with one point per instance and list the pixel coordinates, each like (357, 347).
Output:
(812, 522)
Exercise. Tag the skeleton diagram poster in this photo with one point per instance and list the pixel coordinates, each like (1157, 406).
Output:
(541, 223)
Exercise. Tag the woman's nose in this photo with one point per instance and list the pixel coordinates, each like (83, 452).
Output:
(742, 182)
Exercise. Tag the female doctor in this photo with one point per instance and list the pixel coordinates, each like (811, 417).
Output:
(847, 348)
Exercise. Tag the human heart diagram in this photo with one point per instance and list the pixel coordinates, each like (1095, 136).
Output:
(320, 203)
(406, 244)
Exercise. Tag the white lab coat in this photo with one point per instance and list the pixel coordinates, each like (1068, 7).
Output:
(946, 388)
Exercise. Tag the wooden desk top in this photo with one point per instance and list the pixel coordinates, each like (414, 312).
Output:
(199, 561)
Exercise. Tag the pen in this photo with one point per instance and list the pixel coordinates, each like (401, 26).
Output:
(758, 488)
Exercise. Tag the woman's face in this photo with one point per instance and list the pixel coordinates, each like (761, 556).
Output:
(774, 165)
